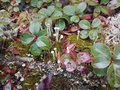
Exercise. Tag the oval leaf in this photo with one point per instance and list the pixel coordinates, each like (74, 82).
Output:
(93, 34)
(74, 19)
(60, 24)
(113, 74)
(26, 38)
(84, 34)
(96, 22)
(84, 24)
(69, 10)
(117, 52)
(35, 50)
(102, 55)
(82, 6)
(44, 43)
(34, 27)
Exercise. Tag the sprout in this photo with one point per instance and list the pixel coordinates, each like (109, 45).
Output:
(57, 30)
(55, 49)
(61, 37)
(53, 54)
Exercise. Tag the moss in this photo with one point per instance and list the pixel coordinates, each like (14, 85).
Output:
(81, 43)
(23, 49)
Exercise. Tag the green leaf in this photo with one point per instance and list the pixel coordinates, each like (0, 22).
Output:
(84, 34)
(82, 6)
(50, 10)
(44, 43)
(1, 32)
(93, 34)
(116, 52)
(104, 9)
(69, 10)
(60, 24)
(96, 23)
(34, 49)
(113, 75)
(26, 38)
(101, 54)
(5, 0)
(39, 4)
(92, 3)
(34, 27)
(34, 3)
(100, 72)
(57, 13)
(42, 33)
(104, 1)
(43, 11)
(84, 24)
(97, 11)
(74, 19)
(48, 22)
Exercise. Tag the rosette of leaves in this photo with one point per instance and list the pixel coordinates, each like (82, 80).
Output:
(105, 64)
(90, 30)
(75, 11)
(47, 15)
(100, 7)
(36, 38)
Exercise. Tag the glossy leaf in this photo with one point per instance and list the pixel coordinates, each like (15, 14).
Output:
(57, 13)
(84, 24)
(93, 34)
(26, 38)
(74, 19)
(104, 9)
(42, 33)
(113, 74)
(104, 1)
(50, 10)
(60, 24)
(44, 43)
(101, 54)
(92, 3)
(82, 6)
(117, 52)
(34, 49)
(34, 27)
(69, 10)
(100, 72)
(96, 22)
(84, 34)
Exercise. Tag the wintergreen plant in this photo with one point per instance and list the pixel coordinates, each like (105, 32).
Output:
(90, 30)
(36, 38)
(107, 63)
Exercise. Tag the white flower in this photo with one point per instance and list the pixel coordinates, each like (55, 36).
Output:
(112, 32)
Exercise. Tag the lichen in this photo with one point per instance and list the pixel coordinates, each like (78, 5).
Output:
(112, 32)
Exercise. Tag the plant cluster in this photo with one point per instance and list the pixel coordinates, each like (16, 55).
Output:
(47, 25)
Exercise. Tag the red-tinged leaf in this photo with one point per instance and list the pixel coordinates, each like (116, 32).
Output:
(87, 16)
(70, 66)
(81, 68)
(0, 64)
(14, 70)
(83, 57)
(6, 69)
(24, 30)
(73, 28)
(45, 84)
